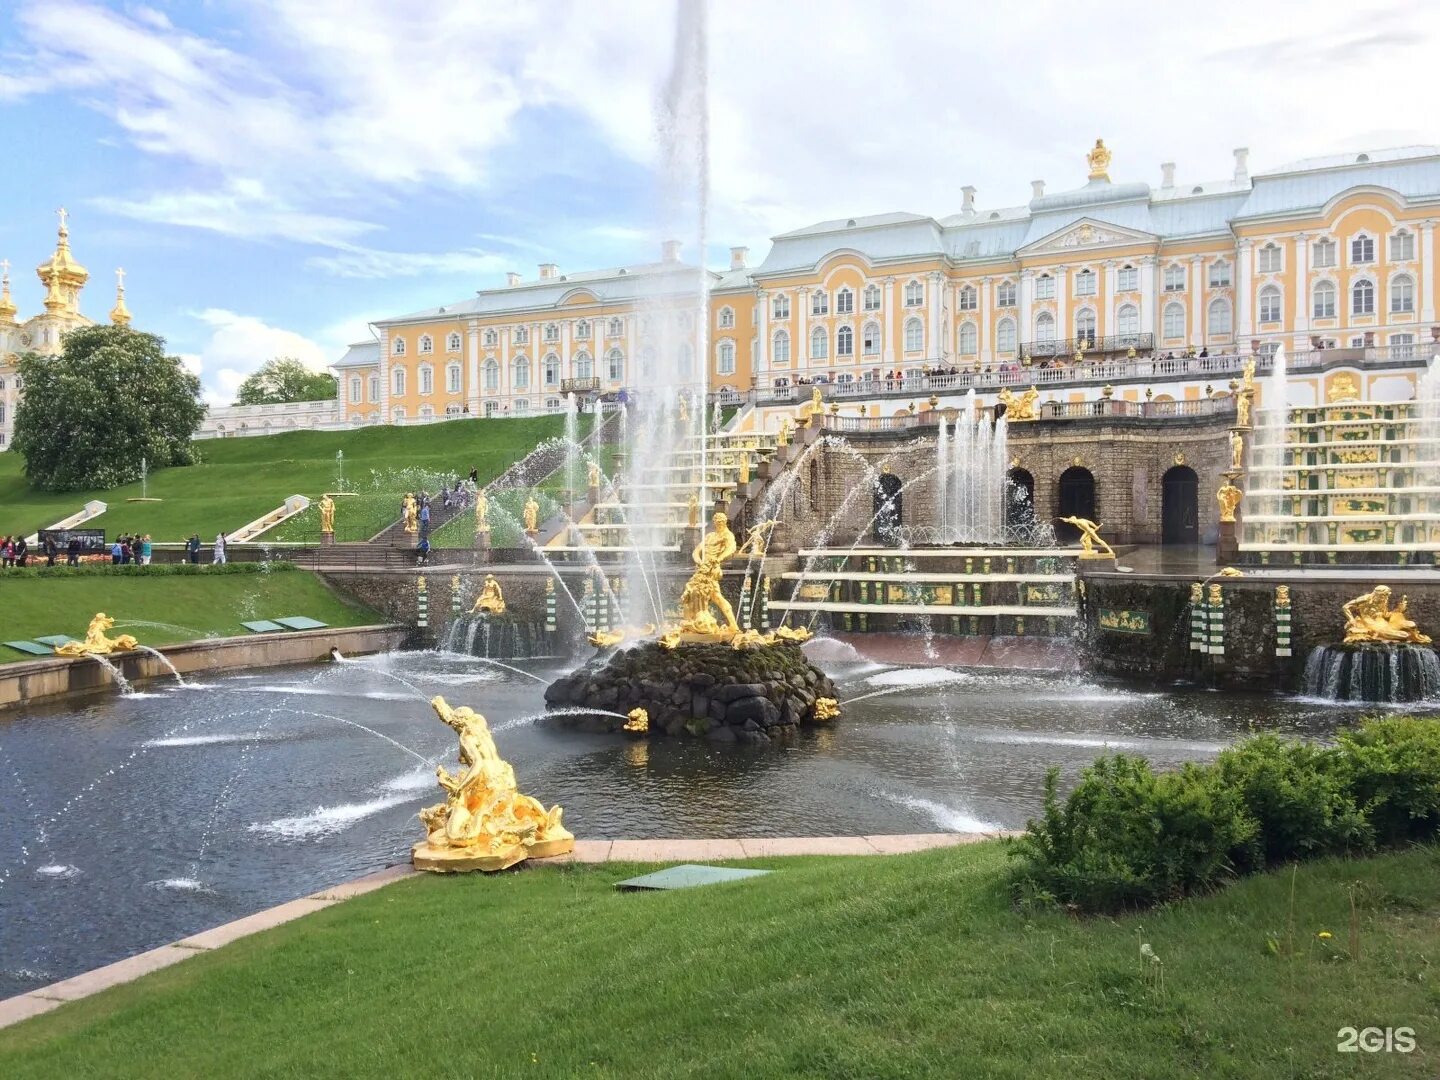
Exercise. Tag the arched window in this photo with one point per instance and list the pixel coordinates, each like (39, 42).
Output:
(397, 347)
(1362, 298)
(725, 358)
(819, 302)
(1085, 326)
(780, 307)
(914, 336)
(427, 343)
(1085, 283)
(1362, 249)
(1271, 258)
(970, 339)
(1270, 305)
(491, 339)
(1323, 300)
(427, 379)
(845, 341)
(727, 318)
(374, 388)
(844, 302)
(1402, 246)
(452, 343)
(872, 297)
(1218, 317)
(1045, 287)
(354, 388)
(1174, 321)
(552, 370)
(615, 365)
(452, 379)
(554, 405)
(780, 347)
(615, 328)
(552, 332)
(969, 298)
(522, 406)
(1005, 336)
(1402, 294)
(1127, 320)
(520, 373)
(1044, 328)
(870, 339)
(582, 330)
(914, 294)
(492, 375)
(584, 366)
(1005, 294)
(819, 344)
(397, 382)
(1324, 251)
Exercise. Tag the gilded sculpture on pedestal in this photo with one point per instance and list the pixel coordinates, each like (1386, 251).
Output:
(482, 514)
(782, 437)
(96, 643)
(491, 600)
(1089, 538)
(1248, 374)
(484, 822)
(1022, 407)
(1242, 408)
(592, 475)
(327, 515)
(744, 467)
(410, 511)
(532, 516)
(692, 509)
(1371, 619)
(1197, 593)
(1237, 450)
(1229, 497)
(1282, 595)
(1099, 161)
(702, 592)
(684, 410)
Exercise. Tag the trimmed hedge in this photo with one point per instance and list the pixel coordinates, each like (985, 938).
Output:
(153, 570)
(1129, 837)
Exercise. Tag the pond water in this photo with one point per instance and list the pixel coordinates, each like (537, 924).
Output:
(128, 822)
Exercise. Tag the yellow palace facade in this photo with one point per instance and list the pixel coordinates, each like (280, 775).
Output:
(1327, 253)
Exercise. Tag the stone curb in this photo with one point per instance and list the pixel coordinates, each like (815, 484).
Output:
(33, 1003)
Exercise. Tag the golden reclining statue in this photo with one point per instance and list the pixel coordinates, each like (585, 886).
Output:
(1370, 619)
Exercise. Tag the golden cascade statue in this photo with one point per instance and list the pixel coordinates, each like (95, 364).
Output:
(410, 510)
(532, 516)
(1089, 537)
(1369, 619)
(491, 600)
(327, 514)
(96, 643)
(484, 822)
(482, 514)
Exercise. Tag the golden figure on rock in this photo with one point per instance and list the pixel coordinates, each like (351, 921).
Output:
(96, 643)
(1228, 497)
(491, 600)
(1022, 407)
(410, 511)
(327, 515)
(702, 591)
(482, 513)
(532, 516)
(484, 822)
(826, 708)
(1370, 619)
(1089, 537)
(638, 722)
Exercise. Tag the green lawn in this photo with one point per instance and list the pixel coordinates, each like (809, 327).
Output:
(197, 605)
(911, 966)
(240, 479)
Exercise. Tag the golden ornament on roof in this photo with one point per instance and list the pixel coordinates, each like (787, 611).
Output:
(1099, 161)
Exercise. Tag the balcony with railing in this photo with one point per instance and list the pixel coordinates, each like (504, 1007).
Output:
(1093, 345)
(1103, 408)
(580, 386)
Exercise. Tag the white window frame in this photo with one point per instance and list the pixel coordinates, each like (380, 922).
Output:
(1271, 306)
(492, 376)
(1226, 325)
(397, 382)
(780, 306)
(551, 369)
(615, 365)
(1005, 336)
(969, 298)
(452, 379)
(819, 344)
(969, 338)
(427, 380)
(1324, 252)
(1219, 274)
(819, 302)
(520, 373)
(914, 293)
(1365, 288)
(1174, 279)
(1086, 282)
(780, 347)
(1362, 249)
(871, 298)
(1127, 320)
(1045, 287)
(397, 346)
(845, 302)
(1127, 279)
(427, 345)
(870, 337)
(1270, 258)
(1172, 321)
(1402, 245)
(725, 358)
(1005, 294)
(1402, 295)
(844, 342)
(726, 321)
(1323, 300)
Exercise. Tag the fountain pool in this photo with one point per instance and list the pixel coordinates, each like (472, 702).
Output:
(127, 824)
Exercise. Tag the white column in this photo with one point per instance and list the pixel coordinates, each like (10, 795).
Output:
(986, 299)
(762, 342)
(1244, 328)
(933, 348)
(502, 384)
(384, 376)
(1107, 302)
(1197, 302)
(888, 322)
(472, 350)
(800, 347)
(1302, 289)
(632, 345)
(1427, 273)
(1147, 297)
(1026, 329)
(1063, 327)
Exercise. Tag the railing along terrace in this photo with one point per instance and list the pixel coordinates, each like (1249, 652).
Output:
(1092, 343)
(1102, 408)
(579, 386)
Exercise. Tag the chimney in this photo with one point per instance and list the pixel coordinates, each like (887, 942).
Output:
(737, 257)
(967, 203)
(1242, 158)
(1037, 188)
(1167, 174)
(512, 278)
(548, 271)
(670, 251)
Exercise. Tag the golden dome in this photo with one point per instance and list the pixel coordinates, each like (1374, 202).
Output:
(62, 276)
(120, 314)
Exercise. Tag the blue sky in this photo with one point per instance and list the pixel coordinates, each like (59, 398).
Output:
(274, 173)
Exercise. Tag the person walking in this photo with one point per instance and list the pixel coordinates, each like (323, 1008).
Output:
(72, 552)
(116, 552)
(425, 516)
(192, 548)
(220, 549)
(22, 552)
(51, 549)
(145, 550)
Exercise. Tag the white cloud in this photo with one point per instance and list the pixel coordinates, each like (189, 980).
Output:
(240, 344)
(359, 262)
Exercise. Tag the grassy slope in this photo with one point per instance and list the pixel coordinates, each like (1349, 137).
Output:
(206, 604)
(908, 966)
(240, 479)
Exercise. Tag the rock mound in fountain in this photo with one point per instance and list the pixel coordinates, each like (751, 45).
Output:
(714, 691)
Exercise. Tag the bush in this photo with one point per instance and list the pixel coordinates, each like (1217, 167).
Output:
(1127, 836)
(1299, 795)
(1394, 767)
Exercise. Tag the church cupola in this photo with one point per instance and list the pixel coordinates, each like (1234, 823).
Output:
(62, 276)
(7, 305)
(120, 314)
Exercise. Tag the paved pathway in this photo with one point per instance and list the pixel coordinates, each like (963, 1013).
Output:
(22, 1007)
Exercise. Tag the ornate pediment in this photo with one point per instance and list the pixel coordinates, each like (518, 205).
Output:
(1084, 234)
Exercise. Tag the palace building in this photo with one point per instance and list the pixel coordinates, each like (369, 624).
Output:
(64, 279)
(1327, 253)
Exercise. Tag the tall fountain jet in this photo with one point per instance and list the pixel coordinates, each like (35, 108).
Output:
(972, 462)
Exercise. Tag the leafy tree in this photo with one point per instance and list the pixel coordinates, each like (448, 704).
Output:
(111, 398)
(286, 379)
